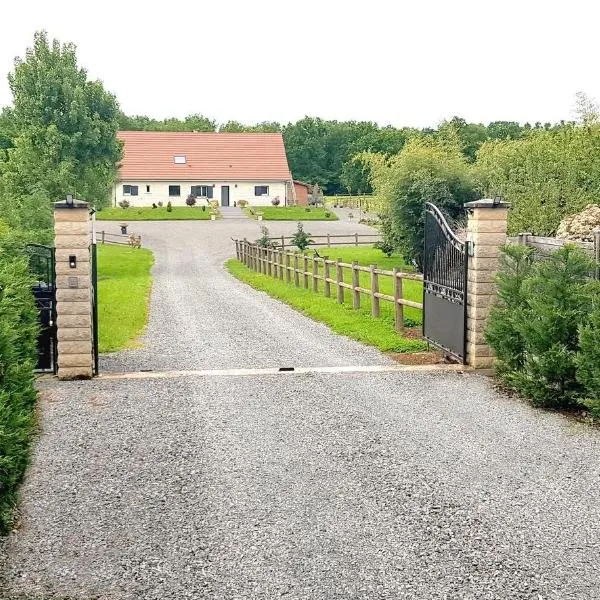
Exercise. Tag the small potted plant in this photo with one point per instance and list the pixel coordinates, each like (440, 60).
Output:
(259, 216)
(123, 228)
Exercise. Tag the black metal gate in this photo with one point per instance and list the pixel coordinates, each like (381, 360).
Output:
(43, 267)
(444, 285)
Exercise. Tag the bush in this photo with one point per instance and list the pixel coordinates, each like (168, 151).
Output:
(169, 206)
(242, 203)
(154, 205)
(588, 361)
(301, 239)
(385, 247)
(203, 208)
(276, 201)
(124, 204)
(191, 200)
(534, 328)
(426, 170)
(263, 241)
(18, 349)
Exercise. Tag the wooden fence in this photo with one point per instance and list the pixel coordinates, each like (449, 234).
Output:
(349, 239)
(121, 239)
(548, 244)
(311, 272)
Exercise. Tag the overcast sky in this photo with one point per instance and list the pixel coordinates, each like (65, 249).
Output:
(398, 62)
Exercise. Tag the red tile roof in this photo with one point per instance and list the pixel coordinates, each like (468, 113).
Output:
(149, 155)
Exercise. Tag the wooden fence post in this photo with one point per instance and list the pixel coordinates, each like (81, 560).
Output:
(374, 290)
(255, 253)
(339, 278)
(237, 249)
(315, 274)
(398, 308)
(522, 238)
(356, 239)
(296, 273)
(281, 260)
(355, 285)
(328, 241)
(326, 277)
(282, 242)
(305, 271)
(103, 236)
(288, 275)
(270, 262)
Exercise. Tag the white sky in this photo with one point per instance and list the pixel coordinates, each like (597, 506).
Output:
(401, 62)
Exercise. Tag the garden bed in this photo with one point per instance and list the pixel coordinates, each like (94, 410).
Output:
(147, 213)
(291, 213)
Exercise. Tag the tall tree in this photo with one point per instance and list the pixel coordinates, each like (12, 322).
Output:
(65, 128)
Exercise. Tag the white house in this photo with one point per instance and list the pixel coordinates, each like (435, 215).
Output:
(163, 166)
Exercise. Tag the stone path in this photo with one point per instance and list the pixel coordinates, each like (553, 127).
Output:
(312, 485)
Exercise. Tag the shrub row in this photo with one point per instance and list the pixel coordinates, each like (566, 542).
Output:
(545, 327)
(18, 338)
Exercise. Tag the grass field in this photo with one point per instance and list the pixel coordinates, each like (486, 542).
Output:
(292, 213)
(124, 284)
(343, 319)
(145, 213)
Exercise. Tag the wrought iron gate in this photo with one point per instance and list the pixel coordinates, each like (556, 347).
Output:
(42, 266)
(444, 285)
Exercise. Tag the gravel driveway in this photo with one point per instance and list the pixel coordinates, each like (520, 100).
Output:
(302, 486)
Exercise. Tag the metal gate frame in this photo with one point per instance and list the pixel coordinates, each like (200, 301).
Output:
(42, 265)
(445, 269)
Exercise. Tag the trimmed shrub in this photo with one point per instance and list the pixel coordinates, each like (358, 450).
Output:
(534, 328)
(124, 204)
(588, 361)
(18, 349)
(190, 200)
(276, 201)
(169, 206)
(242, 203)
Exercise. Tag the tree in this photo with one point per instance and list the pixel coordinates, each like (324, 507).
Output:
(65, 128)
(427, 170)
(586, 110)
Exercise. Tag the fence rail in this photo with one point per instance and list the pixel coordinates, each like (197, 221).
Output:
(545, 245)
(312, 272)
(328, 240)
(121, 239)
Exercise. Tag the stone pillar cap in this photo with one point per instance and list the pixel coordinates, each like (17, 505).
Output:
(76, 204)
(487, 203)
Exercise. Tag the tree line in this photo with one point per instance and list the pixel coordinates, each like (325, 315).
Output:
(324, 152)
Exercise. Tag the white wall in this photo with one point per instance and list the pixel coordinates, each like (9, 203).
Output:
(159, 192)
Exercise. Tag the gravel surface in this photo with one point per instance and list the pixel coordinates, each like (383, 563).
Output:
(201, 317)
(301, 486)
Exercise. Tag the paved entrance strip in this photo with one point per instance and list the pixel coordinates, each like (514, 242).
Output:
(214, 475)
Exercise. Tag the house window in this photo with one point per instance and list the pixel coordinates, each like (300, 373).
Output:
(174, 190)
(202, 191)
(147, 189)
(130, 190)
(261, 190)
(179, 160)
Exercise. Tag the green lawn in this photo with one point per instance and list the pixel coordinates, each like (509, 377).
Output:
(343, 319)
(124, 284)
(145, 213)
(292, 213)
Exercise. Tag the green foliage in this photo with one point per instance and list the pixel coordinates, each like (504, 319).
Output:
(190, 200)
(141, 123)
(427, 170)
(301, 239)
(534, 329)
(263, 241)
(588, 360)
(64, 126)
(545, 175)
(169, 207)
(18, 349)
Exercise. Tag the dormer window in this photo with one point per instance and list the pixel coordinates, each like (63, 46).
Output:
(180, 160)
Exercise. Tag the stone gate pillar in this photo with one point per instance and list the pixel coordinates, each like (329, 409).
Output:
(486, 232)
(73, 289)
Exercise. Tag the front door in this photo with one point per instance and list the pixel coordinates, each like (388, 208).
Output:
(224, 195)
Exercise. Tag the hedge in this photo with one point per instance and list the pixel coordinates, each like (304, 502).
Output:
(18, 348)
